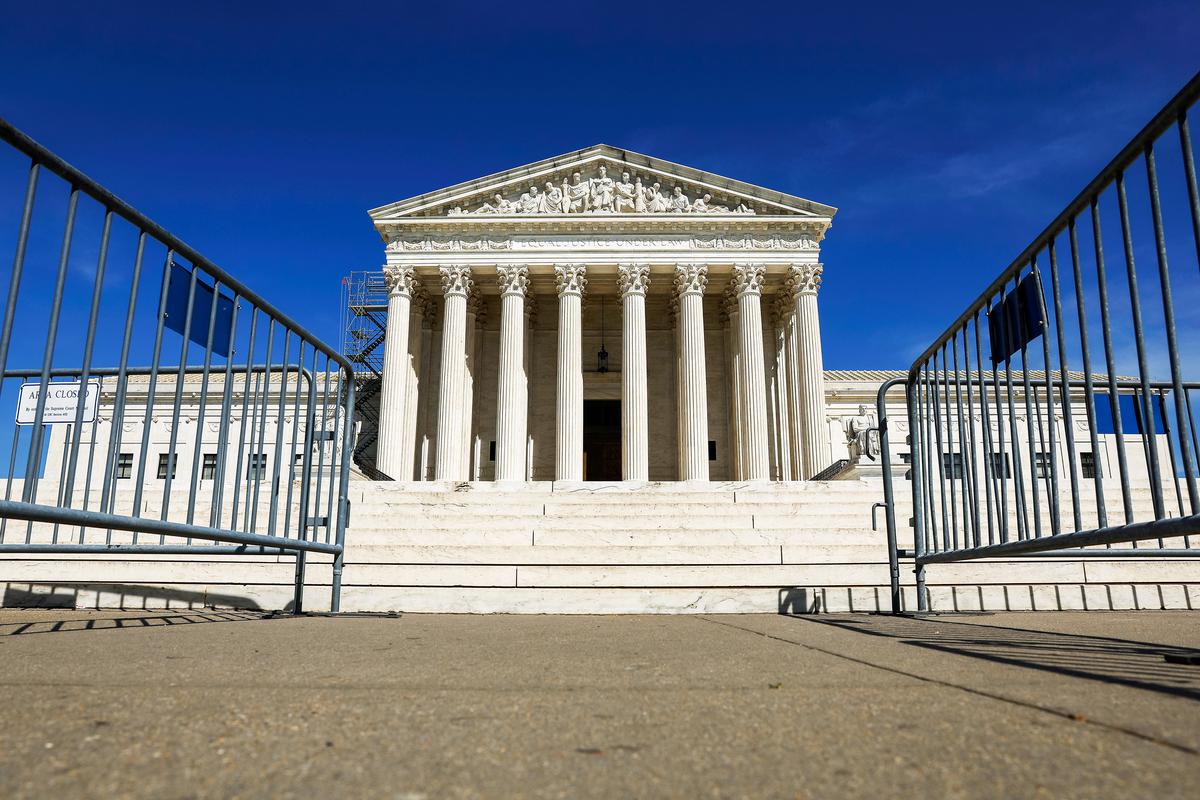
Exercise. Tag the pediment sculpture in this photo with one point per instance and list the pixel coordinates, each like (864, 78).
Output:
(601, 194)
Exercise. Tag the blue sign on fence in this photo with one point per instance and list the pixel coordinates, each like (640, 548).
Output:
(178, 289)
(1017, 319)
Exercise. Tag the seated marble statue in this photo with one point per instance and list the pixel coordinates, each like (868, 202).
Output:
(742, 208)
(700, 204)
(625, 201)
(656, 203)
(640, 205)
(602, 191)
(576, 196)
(552, 199)
(679, 201)
(530, 202)
(502, 206)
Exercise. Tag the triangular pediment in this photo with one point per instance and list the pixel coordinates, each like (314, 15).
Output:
(601, 180)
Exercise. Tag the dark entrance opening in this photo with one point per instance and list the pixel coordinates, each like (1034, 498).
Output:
(602, 440)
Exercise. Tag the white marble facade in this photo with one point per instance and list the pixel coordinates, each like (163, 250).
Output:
(701, 290)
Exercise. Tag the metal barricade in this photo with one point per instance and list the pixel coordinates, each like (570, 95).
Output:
(166, 410)
(1056, 415)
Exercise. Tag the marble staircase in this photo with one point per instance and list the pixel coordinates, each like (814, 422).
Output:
(605, 548)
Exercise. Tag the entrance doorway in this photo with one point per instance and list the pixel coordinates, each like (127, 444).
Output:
(602, 440)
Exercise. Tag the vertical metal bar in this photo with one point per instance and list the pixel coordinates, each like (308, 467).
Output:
(1109, 358)
(1053, 487)
(973, 463)
(949, 451)
(87, 478)
(1004, 469)
(1031, 439)
(218, 492)
(175, 408)
(260, 468)
(197, 449)
(1168, 303)
(988, 467)
(321, 450)
(86, 371)
(343, 513)
(246, 413)
(305, 481)
(33, 465)
(12, 467)
(1162, 404)
(300, 374)
(108, 492)
(1189, 169)
(1089, 388)
(889, 499)
(1148, 434)
(1064, 378)
(941, 452)
(912, 404)
(334, 451)
(151, 389)
(933, 544)
(965, 451)
(277, 467)
(14, 281)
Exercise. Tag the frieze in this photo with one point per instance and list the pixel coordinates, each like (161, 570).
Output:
(458, 244)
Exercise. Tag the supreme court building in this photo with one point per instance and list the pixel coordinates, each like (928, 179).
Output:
(603, 315)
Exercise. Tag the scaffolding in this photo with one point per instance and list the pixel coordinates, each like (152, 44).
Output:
(364, 326)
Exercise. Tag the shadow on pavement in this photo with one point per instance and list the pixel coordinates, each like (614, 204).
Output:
(159, 620)
(1109, 660)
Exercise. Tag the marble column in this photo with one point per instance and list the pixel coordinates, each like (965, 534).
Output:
(425, 448)
(512, 404)
(400, 282)
(451, 438)
(568, 439)
(471, 444)
(414, 379)
(690, 281)
(748, 280)
(531, 376)
(632, 279)
(803, 281)
(783, 431)
(729, 309)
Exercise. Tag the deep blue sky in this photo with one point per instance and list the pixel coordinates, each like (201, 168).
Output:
(947, 134)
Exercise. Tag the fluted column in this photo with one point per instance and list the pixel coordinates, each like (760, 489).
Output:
(512, 402)
(803, 281)
(568, 440)
(451, 438)
(471, 444)
(748, 279)
(733, 368)
(414, 380)
(783, 431)
(530, 373)
(690, 281)
(632, 280)
(392, 413)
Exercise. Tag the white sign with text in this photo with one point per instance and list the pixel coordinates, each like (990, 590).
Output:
(62, 402)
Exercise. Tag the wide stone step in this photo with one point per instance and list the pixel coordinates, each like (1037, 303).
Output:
(576, 537)
(619, 556)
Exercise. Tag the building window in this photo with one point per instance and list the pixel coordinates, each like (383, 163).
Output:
(1087, 464)
(1000, 465)
(952, 464)
(208, 470)
(163, 460)
(256, 466)
(1042, 464)
(125, 466)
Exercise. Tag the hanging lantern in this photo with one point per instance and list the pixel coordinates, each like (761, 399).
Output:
(602, 356)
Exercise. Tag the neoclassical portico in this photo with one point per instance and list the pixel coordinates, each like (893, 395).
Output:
(507, 293)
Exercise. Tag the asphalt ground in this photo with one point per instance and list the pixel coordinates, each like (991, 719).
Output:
(232, 704)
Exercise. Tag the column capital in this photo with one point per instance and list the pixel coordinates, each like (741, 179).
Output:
(457, 280)
(633, 278)
(400, 280)
(804, 278)
(691, 278)
(748, 278)
(513, 279)
(570, 278)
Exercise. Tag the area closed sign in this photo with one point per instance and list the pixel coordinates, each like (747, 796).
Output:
(62, 401)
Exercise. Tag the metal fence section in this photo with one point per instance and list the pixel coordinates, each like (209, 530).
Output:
(156, 403)
(1058, 411)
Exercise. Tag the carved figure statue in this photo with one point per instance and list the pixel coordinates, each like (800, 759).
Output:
(531, 201)
(576, 196)
(602, 191)
(552, 199)
(639, 196)
(742, 208)
(626, 200)
(862, 438)
(679, 201)
(656, 202)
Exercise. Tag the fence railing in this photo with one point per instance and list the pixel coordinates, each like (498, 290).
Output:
(156, 409)
(1057, 410)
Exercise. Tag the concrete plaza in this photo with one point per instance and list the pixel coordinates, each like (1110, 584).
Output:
(224, 704)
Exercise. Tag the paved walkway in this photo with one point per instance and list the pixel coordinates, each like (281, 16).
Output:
(162, 704)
